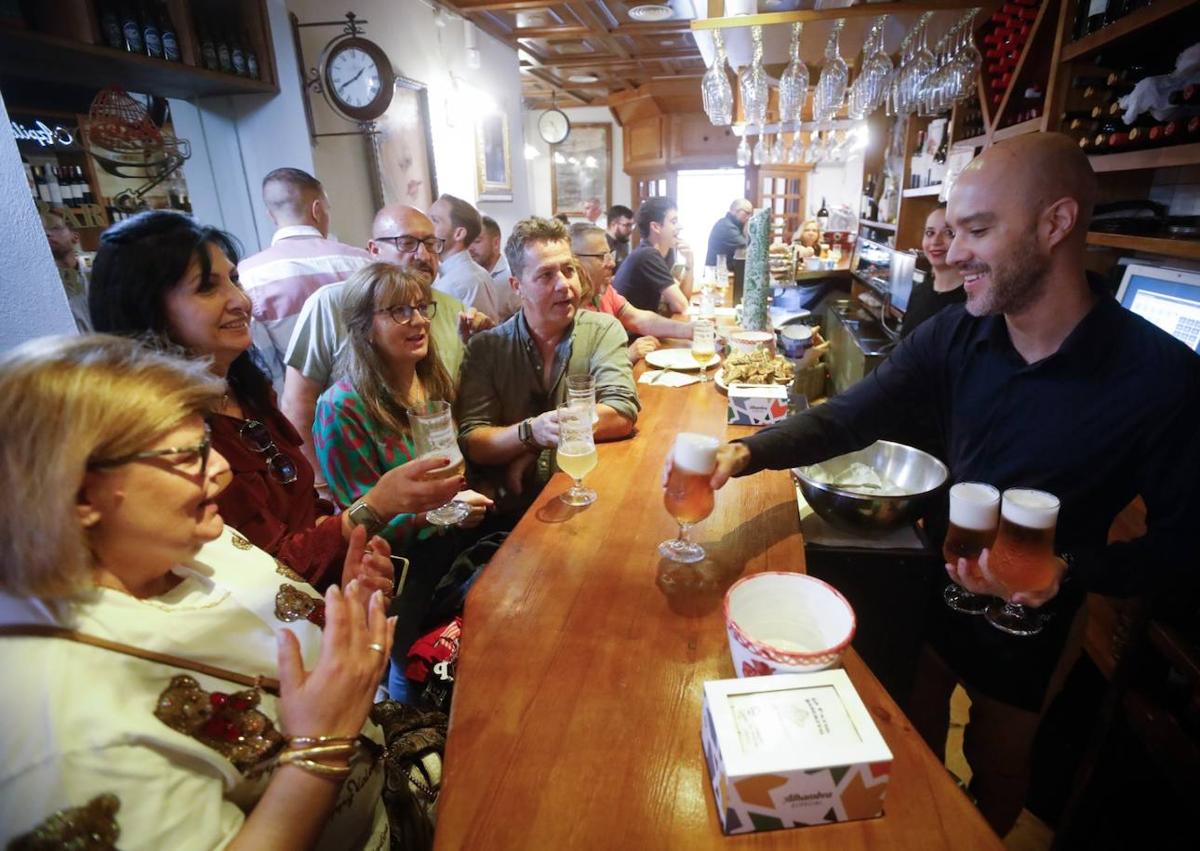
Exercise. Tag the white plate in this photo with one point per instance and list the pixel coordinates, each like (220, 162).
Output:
(679, 359)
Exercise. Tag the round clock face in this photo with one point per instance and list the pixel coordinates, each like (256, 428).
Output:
(358, 78)
(355, 77)
(554, 126)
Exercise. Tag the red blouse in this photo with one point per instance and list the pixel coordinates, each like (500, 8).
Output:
(288, 521)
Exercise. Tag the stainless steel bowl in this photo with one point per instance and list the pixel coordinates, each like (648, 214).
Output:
(918, 473)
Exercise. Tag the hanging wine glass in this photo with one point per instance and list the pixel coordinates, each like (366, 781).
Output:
(793, 84)
(922, 65)
(796, 151)
(779, 152)
(754, 85)
(743, 151)
(715, 88)
(831, 87)
(969, 59)
(759, 155)
(881, 67)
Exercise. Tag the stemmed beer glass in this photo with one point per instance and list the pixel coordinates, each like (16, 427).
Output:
(704, 345)
(689, 496)
(1023, 556)
(974, 514)
(576, 454)
(434, 433)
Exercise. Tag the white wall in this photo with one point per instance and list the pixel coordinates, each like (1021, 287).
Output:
(236, 140)
(539, 167)
(436, 56)
(32, 300)
(838, 183)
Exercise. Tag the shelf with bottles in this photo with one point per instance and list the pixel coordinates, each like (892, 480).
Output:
(95, 43)
(1099, 23)
(1017, 43)
(1138, 80)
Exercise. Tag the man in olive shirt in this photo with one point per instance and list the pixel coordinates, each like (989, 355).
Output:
(514, 375)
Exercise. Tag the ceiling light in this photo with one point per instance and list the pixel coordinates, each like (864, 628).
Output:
(651, 12)
(583, 78)
(667, 42)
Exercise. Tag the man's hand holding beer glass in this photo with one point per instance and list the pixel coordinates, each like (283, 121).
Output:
(985, 583)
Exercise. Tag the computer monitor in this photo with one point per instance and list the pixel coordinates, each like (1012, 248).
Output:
(871, 263)
(1168, 298)
(904, 269)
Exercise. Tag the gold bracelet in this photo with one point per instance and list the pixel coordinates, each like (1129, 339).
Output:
(320, 768)
(320, 740)
(347, 750)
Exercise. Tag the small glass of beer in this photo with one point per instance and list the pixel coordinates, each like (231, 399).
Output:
(688, 496)
(704, 345)
(974, 513)
(434, 433)
(1023, 557)
(576, 450)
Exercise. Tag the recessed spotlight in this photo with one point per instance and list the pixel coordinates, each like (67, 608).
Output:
(667, 42)
(651, 12)
(583, 78)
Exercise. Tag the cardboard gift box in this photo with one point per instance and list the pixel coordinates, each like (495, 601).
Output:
(757, 404)
(792, 750)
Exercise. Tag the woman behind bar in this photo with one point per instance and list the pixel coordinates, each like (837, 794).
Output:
(930, 297)
(109, 529)
(808, 239)
(361, 432)
(161, 275)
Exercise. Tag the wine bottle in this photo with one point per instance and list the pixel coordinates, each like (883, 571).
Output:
(43, 185)
(237, 56)
(252, 69)
(56, 197)
(151, 38)
(223, 57)
(166, 31)
(208, 51)
(939, 156)
(110, 26)
(131, 29)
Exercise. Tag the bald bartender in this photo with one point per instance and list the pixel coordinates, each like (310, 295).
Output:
(1040, 380)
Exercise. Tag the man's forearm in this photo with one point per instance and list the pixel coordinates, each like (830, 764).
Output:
(493, 445)
(299, 405)
(649, 324)
(611, 425)
(676, 301)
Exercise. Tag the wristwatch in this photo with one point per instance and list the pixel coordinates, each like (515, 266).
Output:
(525, 433)
(364, 515)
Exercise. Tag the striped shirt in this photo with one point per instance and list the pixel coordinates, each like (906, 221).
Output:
(279, 280)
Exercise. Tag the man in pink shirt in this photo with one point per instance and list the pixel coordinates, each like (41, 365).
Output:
(301, 260)
(589, 244)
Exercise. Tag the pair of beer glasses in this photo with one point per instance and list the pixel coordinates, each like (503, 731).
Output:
(1017, 529)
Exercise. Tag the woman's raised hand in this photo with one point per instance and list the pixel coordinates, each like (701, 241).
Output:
(406, 490)
(370, 562)
(333, 699)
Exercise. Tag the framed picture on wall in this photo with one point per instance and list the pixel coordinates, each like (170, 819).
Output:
(493, 164)
(581, 168)
(405, 148)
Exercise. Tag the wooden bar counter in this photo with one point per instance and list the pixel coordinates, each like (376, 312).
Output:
(576, 716)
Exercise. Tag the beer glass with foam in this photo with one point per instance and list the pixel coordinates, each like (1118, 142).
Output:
(1023, 558)
(434, 433)
(974, 513)
(576, 454)
(688, 496)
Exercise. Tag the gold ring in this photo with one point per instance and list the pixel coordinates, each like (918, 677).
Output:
(376, 646)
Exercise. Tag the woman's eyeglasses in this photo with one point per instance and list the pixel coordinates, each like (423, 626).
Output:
(280, 467)
(408, 244)
(402, 314)
(201, 449)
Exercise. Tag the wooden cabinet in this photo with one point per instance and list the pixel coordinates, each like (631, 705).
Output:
(64, 44)
(646, 144)
(693, 142)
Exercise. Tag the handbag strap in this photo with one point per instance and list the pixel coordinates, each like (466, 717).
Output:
(267, 684)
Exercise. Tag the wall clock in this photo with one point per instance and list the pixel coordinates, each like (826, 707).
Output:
(554, 126)
(357, 78)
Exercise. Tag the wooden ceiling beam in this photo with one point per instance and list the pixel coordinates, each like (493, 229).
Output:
(476, 7)
(868, 10)
(565, 32)
(604, 61)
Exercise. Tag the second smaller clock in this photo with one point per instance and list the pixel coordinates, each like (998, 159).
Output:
(554, 126)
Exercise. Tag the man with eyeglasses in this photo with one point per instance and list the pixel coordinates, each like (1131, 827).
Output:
(457, 224)
(302, 259)
(620, 227)
(402, 235)
(590, 247)
(64, 246)
(514, 376)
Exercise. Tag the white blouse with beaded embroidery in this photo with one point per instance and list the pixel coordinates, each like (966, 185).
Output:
(79, 721)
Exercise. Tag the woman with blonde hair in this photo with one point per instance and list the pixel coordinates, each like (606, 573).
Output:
(167, 684)
(808, 239)
(361, 431)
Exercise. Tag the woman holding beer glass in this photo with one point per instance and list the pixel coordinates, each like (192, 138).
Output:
(165, 279)
(394, 385)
